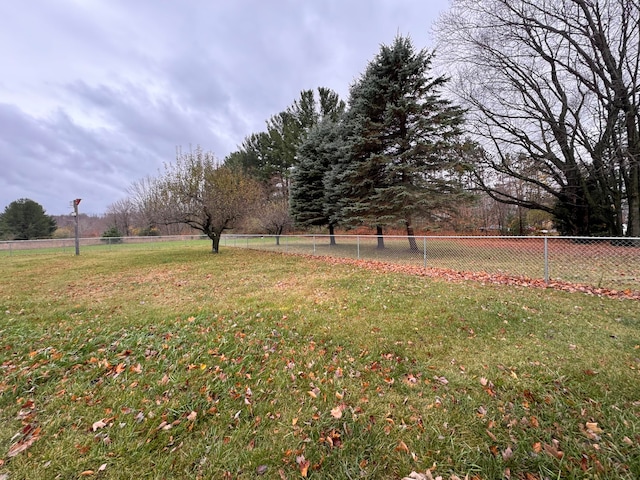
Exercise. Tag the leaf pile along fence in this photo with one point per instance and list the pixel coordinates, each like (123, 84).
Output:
(612, 263)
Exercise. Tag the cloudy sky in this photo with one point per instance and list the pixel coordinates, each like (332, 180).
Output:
(96, 94)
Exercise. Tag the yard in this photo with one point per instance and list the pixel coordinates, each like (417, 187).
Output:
(175, 363)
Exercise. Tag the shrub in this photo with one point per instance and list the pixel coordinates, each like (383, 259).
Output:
(112, 235)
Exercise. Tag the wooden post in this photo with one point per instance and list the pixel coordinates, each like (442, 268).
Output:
(76, 202)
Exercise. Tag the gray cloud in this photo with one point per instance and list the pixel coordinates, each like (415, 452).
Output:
(96, 95)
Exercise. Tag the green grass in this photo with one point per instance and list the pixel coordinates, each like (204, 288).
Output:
(107, 356)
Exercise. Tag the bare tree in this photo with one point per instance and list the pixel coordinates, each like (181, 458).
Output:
(197, 192)
(555, 81)
(121, 215)
(273, 217)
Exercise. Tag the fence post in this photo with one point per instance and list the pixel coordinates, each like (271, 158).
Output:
(424, 249)
(358, 247)
(546, 260)
(314, 244)
(10, 249)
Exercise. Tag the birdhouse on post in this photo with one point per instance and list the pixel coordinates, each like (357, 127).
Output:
(76, 202)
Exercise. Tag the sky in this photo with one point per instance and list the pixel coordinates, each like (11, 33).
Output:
(98, 94)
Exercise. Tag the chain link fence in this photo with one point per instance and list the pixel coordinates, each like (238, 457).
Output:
(612, 263)
(67, 245)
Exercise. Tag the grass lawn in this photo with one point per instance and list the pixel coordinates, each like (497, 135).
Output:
(175, 363)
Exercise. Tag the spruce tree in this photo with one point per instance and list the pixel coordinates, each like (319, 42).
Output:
(401, 138)
(311, 203)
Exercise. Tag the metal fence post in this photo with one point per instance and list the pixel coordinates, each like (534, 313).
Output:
(358, 247)
(424, 249)
(546, 260)
(314, 244)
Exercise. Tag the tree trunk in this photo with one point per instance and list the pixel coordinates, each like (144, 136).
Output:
(380, 237)
(332, 235)
(413, 246)
(633, 196)
(215, 243)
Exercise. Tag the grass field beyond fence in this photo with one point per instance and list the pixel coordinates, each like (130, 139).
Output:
(176, 363)
(612, 263)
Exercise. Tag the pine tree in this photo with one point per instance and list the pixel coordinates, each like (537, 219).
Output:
(401, 138)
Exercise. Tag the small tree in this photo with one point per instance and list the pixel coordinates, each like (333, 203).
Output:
(112, 235)
(273, 217)
(25, 219)
(121, 214)
(198, 192)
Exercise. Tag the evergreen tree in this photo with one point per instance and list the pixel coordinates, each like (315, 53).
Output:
(271, 156)
(25, 219)
(311, 203)
(401, 138)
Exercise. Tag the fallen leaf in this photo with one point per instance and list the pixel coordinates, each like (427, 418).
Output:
(261, 470)
(554, 450)
(118, 369)
(416, 476)
(593, 427)
(98, 425)
(402, 447)
(136, 368)
(337, 412)
(303, 464)
(192, 416)
(20, 447)
(507, 454)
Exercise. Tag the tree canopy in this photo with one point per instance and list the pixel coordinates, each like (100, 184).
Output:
(270, 156)
(554, 83)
